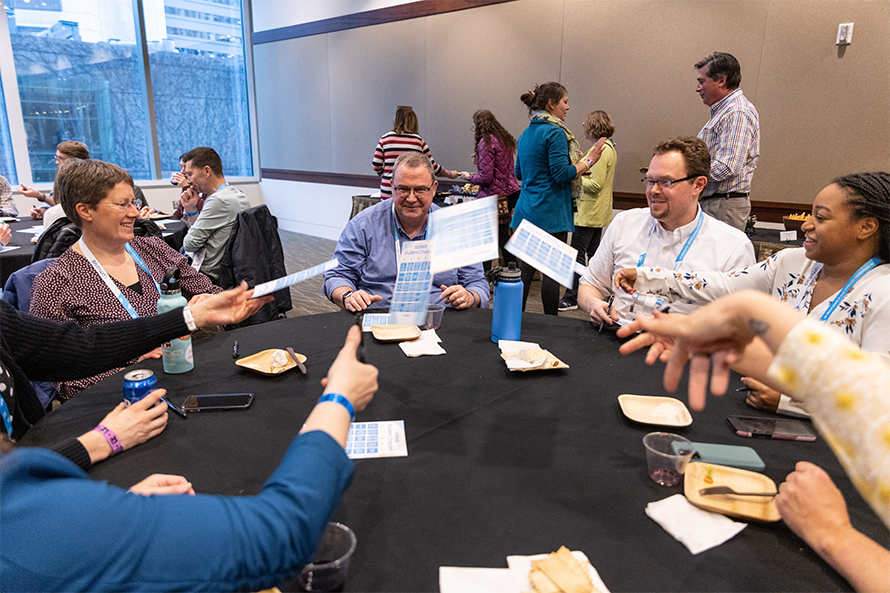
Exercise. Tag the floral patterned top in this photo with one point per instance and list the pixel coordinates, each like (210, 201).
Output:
(863, 314)
(845, 390)
(70, 289)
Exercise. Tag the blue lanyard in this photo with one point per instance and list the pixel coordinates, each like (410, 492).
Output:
(109, 282)
(220, 187)
(862, 271)
(689, 241)
(395, 232)
(7, 417)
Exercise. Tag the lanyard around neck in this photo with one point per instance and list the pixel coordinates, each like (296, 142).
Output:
(689, 241)
(395, 232)
(811, 280)
(220, 187)
(109, 281)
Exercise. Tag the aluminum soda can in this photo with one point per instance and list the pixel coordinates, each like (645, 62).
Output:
(138, 384)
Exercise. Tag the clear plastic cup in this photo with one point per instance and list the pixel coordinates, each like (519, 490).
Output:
(327, 571)
(434, 315)
(667, 455)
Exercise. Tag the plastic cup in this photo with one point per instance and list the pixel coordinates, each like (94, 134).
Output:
(327, 571)
(434, 316)
(667, 455)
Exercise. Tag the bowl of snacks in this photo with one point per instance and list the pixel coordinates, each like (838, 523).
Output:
(793, 222)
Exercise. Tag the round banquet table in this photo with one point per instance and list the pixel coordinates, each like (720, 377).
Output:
(498, 463)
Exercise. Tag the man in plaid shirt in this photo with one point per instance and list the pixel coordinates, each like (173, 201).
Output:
(733, 138)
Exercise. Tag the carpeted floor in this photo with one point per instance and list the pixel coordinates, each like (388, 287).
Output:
(304, 251)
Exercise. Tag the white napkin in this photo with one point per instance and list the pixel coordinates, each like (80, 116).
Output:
(457, 579)
(426, 344)
(695, 528)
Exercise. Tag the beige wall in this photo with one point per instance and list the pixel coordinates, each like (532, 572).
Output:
(324, 101)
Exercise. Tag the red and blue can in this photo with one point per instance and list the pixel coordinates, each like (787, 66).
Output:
(138, 384)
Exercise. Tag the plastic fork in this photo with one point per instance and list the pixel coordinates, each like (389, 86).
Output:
(728, 490)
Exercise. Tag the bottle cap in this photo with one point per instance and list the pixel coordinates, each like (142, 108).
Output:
(170, 284)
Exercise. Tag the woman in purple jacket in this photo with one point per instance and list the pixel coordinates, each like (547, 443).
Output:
(495, 148)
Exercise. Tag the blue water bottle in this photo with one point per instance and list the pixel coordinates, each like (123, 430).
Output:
(506, 315)
(177, 354)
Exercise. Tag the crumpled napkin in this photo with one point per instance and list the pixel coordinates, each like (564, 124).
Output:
(427, 344)
(695, 528)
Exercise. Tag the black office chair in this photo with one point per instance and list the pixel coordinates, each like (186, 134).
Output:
(254, 254)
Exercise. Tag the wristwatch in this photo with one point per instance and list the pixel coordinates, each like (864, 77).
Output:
(346, 296)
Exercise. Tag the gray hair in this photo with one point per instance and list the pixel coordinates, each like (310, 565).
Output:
(413, 160)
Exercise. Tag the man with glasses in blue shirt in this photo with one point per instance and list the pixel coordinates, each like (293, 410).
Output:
(672, 233)
(370, 246)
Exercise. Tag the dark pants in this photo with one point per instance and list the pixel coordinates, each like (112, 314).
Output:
(585, 239)
(549, 286)
(504, 234)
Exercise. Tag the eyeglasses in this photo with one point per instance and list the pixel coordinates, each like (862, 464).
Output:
(122, 206)
(665, 183)
(420, 192)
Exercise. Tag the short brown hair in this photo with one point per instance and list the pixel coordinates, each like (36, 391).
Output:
(599, 125)
(695, 154)
(73, 149)
(406, 121)
(86, 182)
(204, 156)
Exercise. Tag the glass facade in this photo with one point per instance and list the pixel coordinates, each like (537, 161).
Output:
(81, 76)
(7, 162)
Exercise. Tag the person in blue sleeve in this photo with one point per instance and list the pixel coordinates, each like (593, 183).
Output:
(64, 532)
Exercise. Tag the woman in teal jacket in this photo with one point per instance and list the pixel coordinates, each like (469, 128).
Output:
(549, 163)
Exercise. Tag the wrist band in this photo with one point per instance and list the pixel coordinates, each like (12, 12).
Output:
(339, 399)
(113, 441)
(473, 294)
(189, 319)
(195, 213)
(346, 296)
(589, 163)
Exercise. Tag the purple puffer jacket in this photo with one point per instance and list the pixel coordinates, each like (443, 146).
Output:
(495, 165)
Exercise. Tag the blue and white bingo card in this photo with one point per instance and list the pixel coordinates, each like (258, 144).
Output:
(274, 285)
(464, 234)
(376, 439)
(545, 252)
(411, 295)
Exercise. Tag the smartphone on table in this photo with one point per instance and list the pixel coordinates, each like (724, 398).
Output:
(771, 428)
(217, 401)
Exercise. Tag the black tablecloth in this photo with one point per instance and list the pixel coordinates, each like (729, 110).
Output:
(498, 463)
(10, 261)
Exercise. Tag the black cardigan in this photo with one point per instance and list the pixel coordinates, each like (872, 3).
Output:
(38, 349)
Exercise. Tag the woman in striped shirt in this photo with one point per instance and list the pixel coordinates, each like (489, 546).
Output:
(403, 138)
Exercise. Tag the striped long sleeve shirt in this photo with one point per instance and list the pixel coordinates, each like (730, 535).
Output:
(389, 148)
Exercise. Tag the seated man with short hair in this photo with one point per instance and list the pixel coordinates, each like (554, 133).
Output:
(210, 231)
(672, 232)
(369, 247)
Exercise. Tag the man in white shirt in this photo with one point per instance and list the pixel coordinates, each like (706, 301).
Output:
(672, 233)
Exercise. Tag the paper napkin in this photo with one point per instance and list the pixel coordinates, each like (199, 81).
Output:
(695, 528)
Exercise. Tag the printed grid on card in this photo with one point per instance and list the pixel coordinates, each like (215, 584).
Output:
(376, 439)
(464, 234)
(411, 294)
(543, 251)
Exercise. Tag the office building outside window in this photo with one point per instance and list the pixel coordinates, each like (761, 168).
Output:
(7, 159)
(81, 76)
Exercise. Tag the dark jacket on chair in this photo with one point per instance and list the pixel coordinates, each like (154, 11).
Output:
(254, 255)
(63, 233)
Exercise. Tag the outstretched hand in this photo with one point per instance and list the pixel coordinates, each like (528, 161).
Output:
(230, 306)
(163, 484)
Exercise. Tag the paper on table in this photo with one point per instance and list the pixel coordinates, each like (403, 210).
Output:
(695, 528)
(544, 252)
(34, 230)
(515, 346)
(464, 234)
(274, 285)
(459, 579)
(411, 294)
(426, 345)
(9, 248)
(372, 319)
(522, 565)
(366, 440)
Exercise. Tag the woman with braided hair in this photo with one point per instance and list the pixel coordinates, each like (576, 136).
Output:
(841, 275)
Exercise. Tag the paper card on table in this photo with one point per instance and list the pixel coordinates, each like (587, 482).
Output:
(367, 440)
(371, 319)
(411, 294)
(459, 579)
(522, 565)
(464, 234)
(544, 252)
(274, 285)
(9, 248)
(34, 230)
(787, 235)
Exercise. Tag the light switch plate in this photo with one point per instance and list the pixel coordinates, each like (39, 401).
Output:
(845, 34)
